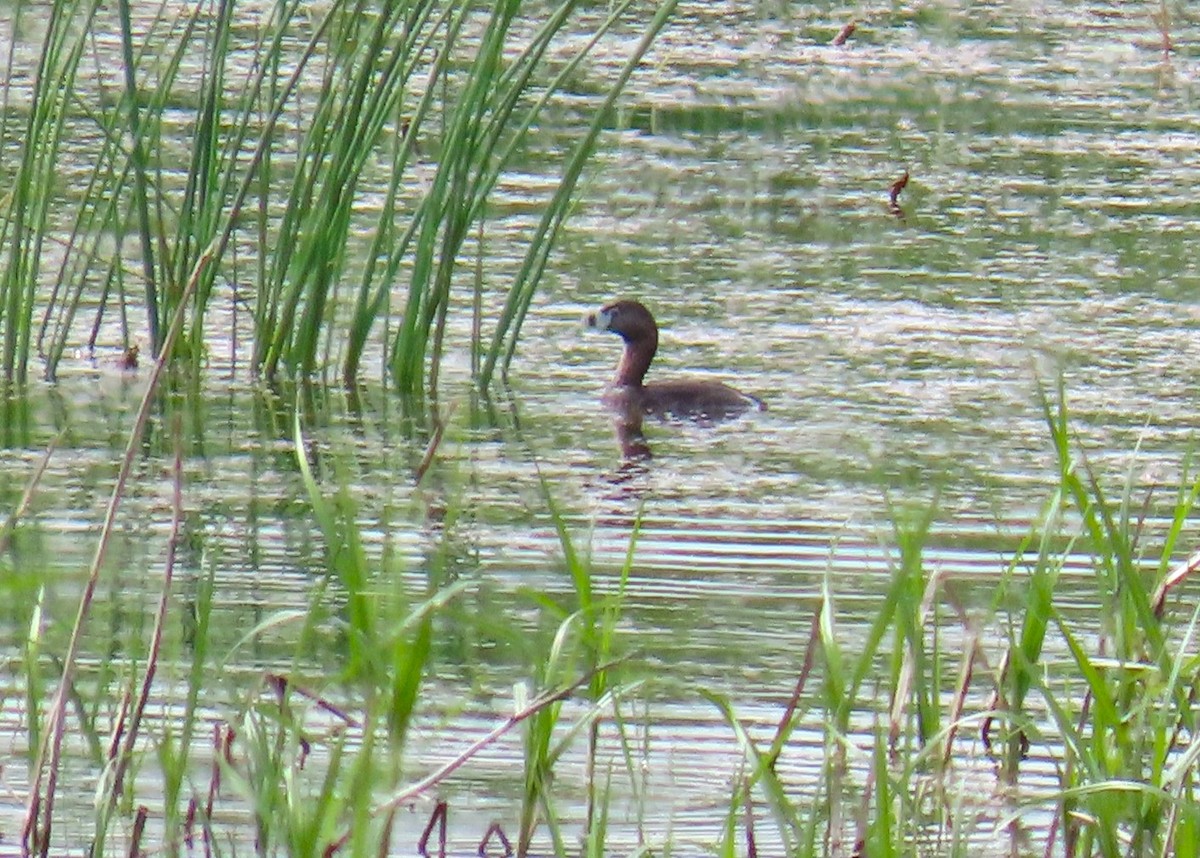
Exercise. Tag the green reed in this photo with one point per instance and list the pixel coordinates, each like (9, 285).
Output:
(25, 220)
(418, 107)
(346, 801)
(1118, 712)
(592, 624)
(1115, 705)
(1125, 710)
(520, 296)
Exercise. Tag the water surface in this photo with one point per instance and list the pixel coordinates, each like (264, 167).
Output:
(1048, 232)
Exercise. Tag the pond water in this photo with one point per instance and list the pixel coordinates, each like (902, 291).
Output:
(1049, 230)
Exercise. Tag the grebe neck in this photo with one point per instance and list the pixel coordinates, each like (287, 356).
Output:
(636, 360)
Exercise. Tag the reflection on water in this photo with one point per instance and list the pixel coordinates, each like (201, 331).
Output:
(1048, 229)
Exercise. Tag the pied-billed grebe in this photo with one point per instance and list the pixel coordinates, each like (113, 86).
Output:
(684, 398)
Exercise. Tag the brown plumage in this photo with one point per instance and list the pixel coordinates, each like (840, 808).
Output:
(633, 323)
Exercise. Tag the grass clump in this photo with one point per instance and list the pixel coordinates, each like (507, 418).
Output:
(322, 199)
(926, 728)
(1123, 711)
(320, 762)
(943, 768)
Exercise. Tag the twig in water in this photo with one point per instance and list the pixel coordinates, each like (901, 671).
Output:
(1052, 835)
(438, 816)
(139, 827)
(407, 794)
(189, 824)
(10, 523)
(281, 684)
(495, 829)
(160, 618)
(862, 824)
(971, 653)
(222, 740)
(118, 728)
(967, 670)
(385, 837)
(1174, 578)
(999, 704)
(751, 843)
(894, 195)
(843, 34)
(431, 448)
(810, 651)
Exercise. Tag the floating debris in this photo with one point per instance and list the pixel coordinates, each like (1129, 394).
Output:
(894, 195)
(843, 34)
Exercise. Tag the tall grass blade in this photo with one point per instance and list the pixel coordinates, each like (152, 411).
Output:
(138, 157)
(346, 560)
(31, 189)
(762, 774)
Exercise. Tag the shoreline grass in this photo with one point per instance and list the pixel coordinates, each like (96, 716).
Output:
(419, 108)
(319, 763)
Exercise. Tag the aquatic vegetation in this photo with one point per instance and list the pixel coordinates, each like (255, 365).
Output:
(326, 211)
(972, 694)
(1116, 720)
(361, 145)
